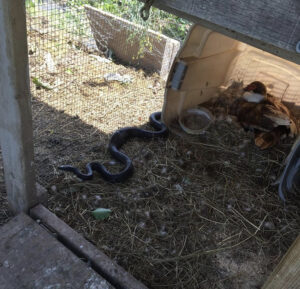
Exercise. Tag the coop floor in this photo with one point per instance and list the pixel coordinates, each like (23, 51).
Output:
(197, 213)
(200, 214)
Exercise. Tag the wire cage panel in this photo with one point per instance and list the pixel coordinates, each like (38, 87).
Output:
(70, 73)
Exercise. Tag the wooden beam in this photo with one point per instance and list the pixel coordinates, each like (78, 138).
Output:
(271, 25)
(15, 107)
(31, 257)
(106, 267)
(287, 273)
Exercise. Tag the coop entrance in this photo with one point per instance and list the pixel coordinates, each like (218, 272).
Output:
(213, 62)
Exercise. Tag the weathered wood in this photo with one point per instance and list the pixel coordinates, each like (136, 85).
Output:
(271, 25)
(15, 108)
(287, 273)
(109, 269)
(30, 257)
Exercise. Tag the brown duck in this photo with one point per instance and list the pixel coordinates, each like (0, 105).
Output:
(261, 112)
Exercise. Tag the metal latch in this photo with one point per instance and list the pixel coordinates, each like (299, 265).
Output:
(178, 75)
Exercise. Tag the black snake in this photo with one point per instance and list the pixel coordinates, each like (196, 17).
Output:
(116, 141)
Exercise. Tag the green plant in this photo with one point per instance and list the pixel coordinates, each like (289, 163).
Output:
(159, 20)
(30, 5)
(72, 18)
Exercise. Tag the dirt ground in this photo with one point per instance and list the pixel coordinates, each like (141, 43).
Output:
(198, 212)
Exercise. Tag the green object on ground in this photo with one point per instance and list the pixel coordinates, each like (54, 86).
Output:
(101, 213)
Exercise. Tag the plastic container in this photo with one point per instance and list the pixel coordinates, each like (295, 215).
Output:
(209, 60)
(195, 121)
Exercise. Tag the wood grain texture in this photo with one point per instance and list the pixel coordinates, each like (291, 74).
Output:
(108, 268)
(271, 25)
(287, 273)
(30, 257)
(15, 108)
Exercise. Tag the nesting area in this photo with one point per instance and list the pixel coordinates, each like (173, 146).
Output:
(199, 212)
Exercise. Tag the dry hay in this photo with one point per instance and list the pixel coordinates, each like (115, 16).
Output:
(199, 213)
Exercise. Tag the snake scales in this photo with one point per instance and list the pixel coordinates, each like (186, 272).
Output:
(117, 140)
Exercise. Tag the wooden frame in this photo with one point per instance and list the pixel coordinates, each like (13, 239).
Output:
(287, 273)
(271, 25)
(101, 263)
(16, 136)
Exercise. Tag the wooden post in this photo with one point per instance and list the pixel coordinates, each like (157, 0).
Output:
(15, 108)
(287, 273)
(271, 25)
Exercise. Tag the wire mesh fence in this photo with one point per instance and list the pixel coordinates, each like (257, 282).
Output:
(92, 64)
(74, 73)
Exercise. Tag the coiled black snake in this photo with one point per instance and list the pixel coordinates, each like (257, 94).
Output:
(116, 141)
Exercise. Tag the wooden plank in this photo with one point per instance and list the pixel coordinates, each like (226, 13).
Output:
(15, 108)
(271, 25)
(287, 273)
(109, 269)
(30, 257)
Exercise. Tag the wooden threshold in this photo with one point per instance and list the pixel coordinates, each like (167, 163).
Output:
(101, 263)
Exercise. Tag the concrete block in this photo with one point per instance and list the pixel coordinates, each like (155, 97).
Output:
(131, 43)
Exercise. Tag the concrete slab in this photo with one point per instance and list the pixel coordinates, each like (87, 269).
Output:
(131, 43)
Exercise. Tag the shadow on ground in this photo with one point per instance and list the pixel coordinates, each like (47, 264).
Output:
(200, 214)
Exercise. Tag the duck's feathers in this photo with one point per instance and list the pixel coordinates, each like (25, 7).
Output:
(262, 116)
(272, 100)
(280, 106)
(253, 97)
(293, 129)
(277, 116)
(265, 140)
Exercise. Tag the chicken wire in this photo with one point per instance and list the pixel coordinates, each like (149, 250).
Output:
(74, 69)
